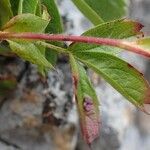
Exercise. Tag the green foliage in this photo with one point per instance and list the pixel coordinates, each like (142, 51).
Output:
(14, 6)
(122, 76)
(27, 50)
(54, 26)
(27, 6)
(118, 29)
(87, 102)
(5, 11)
(98, 10)
(42, 16)
(145, 42)
(26, 23)
(108, 9)
(88, 11)
(30, 52)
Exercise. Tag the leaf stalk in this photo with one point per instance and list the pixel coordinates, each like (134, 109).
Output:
(129, 46)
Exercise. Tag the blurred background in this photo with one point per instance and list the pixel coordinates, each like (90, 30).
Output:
(123, 126)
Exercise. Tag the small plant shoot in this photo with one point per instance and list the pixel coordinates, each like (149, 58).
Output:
(33, 31)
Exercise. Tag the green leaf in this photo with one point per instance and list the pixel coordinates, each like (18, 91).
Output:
(54, 26)
(87, 102)
(14, 6)
(39, 9)
(121, 75)
(25, 6)
(88, 12)
(118, 29)
(29, 52)
(144, 42)
(5, 11)
(26, 23)
(108, 9)
(28, 6)
(45, 15)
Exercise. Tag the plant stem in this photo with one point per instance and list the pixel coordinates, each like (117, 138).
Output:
(130, 46)
(88, 12)
(48, 45)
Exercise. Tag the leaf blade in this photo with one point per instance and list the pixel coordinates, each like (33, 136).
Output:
(5, 11)
(121, 75)
(88, 12)
(87, 103)
(54, 26)
(24, 23)
(118, 29)
(115, 9)
(25, 49)
(30, 6)
(29, 52)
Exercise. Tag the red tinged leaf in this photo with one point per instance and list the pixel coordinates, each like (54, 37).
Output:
(138, 28)
(87, 102)
(147, 96)
(75, 81)
(146, 99)
(91, 124)
(89, 119)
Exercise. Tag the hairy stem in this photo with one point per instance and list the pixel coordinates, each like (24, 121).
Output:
(130, 46)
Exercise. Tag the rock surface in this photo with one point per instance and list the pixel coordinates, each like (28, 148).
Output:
(37, 100)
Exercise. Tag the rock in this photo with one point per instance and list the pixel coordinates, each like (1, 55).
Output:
(21, 124)
(40, 113)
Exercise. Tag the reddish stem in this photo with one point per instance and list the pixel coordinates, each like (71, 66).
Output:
(130, 46)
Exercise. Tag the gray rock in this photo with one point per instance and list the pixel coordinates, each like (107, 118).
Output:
(37, 100)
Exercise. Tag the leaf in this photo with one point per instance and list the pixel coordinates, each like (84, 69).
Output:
(28, 6)
(54, 26)
(39, 9)
(87, 103)
(144, 43)
(24, 6)
(118, 29)
(14, 6)
(88, 12)
(45, 14)
(108, 9)
(29, 52)
(121, 75)
(5, 11)
(26, 23)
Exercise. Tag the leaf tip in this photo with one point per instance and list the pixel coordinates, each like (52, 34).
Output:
(144, 109)
(91, 126)
(138, 28)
